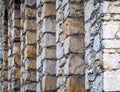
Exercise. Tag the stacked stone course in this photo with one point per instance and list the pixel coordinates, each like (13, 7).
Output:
(59, 45)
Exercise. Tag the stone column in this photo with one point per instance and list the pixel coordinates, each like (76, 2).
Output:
(5, 54)
(70, 46)
(14, 46)
(46, 46)
(28, 46)
(102, 27)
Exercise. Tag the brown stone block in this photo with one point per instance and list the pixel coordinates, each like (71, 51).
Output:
(17, 60)
(30, 25)
(16, 73)
(49, 83)
(31, 37)
(5, 86)
(48, 10)
(74, 44)
(72, 26)
(5, 75)
(30, 64)
(30, 51)
(30, 87)
(16, 33)
(29, 76)
(29, 12)
(74, 85)
(16, 23)
(5, 65)
(16, 48)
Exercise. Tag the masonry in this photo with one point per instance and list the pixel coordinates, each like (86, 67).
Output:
(59, 45)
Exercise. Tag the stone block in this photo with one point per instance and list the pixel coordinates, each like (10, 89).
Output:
(48, 40)
(111, 61)
(17, 60)
(110, 30)
(73, 10)
(72, 26)
(30, 87)
(30, 64)
(111, 44)
(74, 65)
(73, 44)
(29, 76)
(29, 12)
(111, 81)
(49, 25)
(49, 84)
(74, 85)
(48, 10)
(30, 37)
(48, 53)
(16, 48)
(30, 51)
(49, 67)
(29, 25)
(16, 74)
(59, 51)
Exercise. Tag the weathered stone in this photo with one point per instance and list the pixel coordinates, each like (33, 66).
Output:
(29, 25)
(74, 65)
(48, 53)
(49, 83)
(72, 26)
(111, 44)
(29, 12)
(30, 37)
(48, 25)
(49, 67)
(73, 44)
(59, 52)
(111, 61)
(73, 85)
(30, 51)
(30, 64)
(45, 42)
(111, 81)
(48, 10)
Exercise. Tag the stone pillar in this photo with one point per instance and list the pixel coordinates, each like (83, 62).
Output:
(14, 46)
(70, 46)
(46, 46)
(5, 53)
(102, 27)
(28, 46)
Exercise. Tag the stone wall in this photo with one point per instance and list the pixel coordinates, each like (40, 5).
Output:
(102, 21)
(59, 45)
(70, 67)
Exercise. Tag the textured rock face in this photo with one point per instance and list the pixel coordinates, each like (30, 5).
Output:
(102, 45)
(59, 45)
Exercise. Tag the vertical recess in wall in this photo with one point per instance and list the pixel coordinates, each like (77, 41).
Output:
(28, 46)
(46, 46)
(93, 52)
(70, 46)
(14, 56)
(5, 54)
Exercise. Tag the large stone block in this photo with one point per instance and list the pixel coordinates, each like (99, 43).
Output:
(111, 81)
(30, 51)
(48, 53)
(30, 87)
(72, 26)
(73, 44)
(49, 84)
(29, 12)
(49, 67)
(111, 61)
(30, 64)
(29, 25)
(49, 25)
(48, 40)
(111, 44)
(74, 85)
(74, 65)
(48, 10)
(30, 37)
